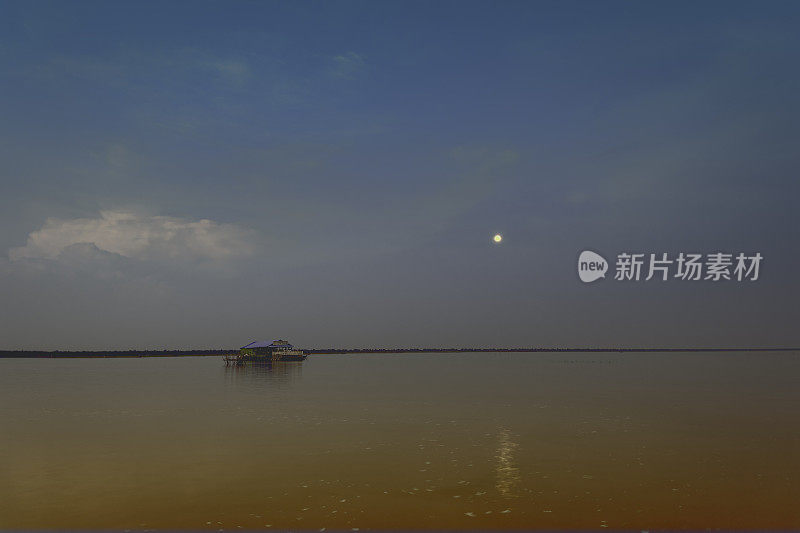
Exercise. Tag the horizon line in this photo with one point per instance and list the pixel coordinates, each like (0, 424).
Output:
(339, 351)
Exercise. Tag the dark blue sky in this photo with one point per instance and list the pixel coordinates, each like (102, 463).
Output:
(192, 174)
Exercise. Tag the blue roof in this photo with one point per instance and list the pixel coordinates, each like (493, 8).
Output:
(265, 344)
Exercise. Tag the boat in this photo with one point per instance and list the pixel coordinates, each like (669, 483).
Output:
(266, 352)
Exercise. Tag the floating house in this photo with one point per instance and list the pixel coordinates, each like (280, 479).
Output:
(266, 352)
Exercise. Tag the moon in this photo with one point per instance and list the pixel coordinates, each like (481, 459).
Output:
(497, 238)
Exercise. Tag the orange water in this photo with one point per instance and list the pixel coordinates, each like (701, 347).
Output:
(456, 441)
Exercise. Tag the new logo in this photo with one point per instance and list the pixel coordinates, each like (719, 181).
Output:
(591, 266)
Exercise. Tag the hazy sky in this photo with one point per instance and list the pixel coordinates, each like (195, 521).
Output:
(203, 174)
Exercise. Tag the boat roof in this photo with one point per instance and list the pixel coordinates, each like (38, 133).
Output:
(267, 344)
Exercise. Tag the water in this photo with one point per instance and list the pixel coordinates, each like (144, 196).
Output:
(456, 441)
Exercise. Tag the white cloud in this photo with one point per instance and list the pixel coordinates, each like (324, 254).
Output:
(139, 236)
(347, 65)
(234, 71)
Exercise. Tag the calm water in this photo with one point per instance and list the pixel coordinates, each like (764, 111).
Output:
(465, 441)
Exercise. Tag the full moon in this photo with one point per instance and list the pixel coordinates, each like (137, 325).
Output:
(498, 238)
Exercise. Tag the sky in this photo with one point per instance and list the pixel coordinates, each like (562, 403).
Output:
(203, 174)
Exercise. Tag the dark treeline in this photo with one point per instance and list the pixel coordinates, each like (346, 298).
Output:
(179, 353)
(110, 353)
(529, 350)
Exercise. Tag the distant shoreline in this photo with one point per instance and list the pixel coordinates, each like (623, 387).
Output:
(41, 354)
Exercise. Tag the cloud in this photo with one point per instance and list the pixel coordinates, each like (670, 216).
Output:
(234, 71)
(138, 236)
(347, 66)
(128, 66)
